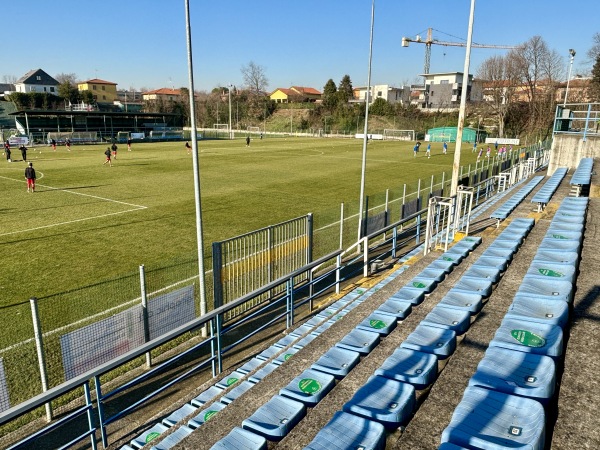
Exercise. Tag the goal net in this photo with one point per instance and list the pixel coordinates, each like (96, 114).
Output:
(255, 130)
(398, 135)
(221, 126)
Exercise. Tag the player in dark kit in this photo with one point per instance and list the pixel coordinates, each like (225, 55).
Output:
(30, 177)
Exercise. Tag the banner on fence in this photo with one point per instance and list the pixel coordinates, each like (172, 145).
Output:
(4, 397)
(169, 311)
(95, 344)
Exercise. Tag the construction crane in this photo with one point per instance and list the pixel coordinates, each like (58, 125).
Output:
(429, 40)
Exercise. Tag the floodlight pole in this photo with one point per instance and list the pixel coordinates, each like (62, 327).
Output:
(196, 165)
(230, 128)
(463, 104)
(572, 53)
(366, 129)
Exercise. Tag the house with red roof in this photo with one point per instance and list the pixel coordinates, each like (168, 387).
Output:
(295, 94)
(164, 94)
(102, 90)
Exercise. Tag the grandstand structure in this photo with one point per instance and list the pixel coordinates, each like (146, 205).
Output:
(102, 125)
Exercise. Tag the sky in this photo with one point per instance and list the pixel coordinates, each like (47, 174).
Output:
(141, 44)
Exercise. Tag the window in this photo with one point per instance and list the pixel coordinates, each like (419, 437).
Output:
(444, 82)
(103, 88)
(51, 88)
(39, 78)
(104, 97)
(44, 88)
(93, 87)
(379, 93)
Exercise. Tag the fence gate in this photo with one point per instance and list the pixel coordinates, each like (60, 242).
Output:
(439, 224)
(464, 205)
(248, 262)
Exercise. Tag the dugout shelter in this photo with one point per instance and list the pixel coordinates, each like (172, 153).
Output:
(448, 134)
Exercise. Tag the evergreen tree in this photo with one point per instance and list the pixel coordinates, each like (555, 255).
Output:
(329, 96)
(345, 89)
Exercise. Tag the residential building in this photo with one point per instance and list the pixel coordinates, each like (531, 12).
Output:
(164, 94)
(295, 94)
(389, 93)
(37, 81)
(103, 91)
(442, 91)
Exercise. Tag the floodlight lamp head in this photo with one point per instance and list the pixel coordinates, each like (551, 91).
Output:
(572, 52)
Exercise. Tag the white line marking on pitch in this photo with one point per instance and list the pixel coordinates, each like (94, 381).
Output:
(135, 208)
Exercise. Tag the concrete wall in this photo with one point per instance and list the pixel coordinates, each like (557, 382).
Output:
(568, 149)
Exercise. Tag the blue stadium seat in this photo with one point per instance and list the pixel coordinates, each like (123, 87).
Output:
(558, 257)
(276, 418)
(424, 284)
(173, 439)
(287, 354)
(359, 341)
(554, 289)
(484, 272)
(439, 263)
(506, 243)
(397, 308)
(517, 373)
(552, 271)
(474, 285)
(417, 368)
(148, 435)
(432, 272)
(378, 322)
(451, 446)
(231, 379)
(569, 245)
(337, 362)
(206, 396)
(498, 252)
(206, 414)
(240, 439)
(262, 372)
(386, 401)
(309, 387)
(462, 300)
(250, 365)
(450, 319)
(437, 341)
(178, 415)
(301, 330)
(238, 390)
(268, 353)
(347, 431)
(538, 309)
(305, 341)
(499, 263)
(529, 337)
(414, 296)
(494, 420)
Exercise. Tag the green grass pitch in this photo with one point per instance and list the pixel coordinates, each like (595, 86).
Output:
(89, 222)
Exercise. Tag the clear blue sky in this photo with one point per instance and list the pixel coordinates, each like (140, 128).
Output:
(142, 44)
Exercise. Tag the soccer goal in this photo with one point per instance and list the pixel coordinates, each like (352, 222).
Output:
(398, 135)
(221, 126)
(255, 130)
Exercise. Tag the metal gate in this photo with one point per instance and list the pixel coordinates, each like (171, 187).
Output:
(246, 263)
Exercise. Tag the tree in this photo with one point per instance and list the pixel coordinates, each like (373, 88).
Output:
(254, 78)
(345, 91)
(381, 107)
(594, 89)
(594, 52)
(67, 87)
(70, 78)
(499, 87)
(329, 96)
(9, 79)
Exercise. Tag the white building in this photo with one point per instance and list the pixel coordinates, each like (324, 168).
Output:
(37, 81)
(442, 91)
(389, 93)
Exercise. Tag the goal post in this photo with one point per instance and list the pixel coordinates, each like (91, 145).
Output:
(221, 126)
(255, 130)
(398, 135)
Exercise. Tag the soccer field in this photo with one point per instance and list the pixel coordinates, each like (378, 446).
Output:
(89, 222)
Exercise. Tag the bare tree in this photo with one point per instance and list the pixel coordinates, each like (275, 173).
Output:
(9, 79)
(594, 52)
(254, 78)
(63, 78)
(499, 88)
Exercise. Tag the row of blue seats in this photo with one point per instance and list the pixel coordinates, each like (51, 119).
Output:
(388, 399)
(208, 403)
(583, 173)
(275, 419)
(503, 405)
(543, 196)
(507, 207)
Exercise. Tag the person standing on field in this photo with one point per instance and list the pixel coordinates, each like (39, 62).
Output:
(445, 147)
(128, 144)
(23, 152)
(114, 150)
(53, 143)
(107, 153)
(30, 177)
(68, 144)
(247, 141)
(428, 152)
(188, 147)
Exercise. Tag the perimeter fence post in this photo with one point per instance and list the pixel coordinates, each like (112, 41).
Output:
(145, 313)
(39, 346)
